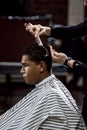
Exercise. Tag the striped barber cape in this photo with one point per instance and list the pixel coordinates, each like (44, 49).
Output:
(49, 106)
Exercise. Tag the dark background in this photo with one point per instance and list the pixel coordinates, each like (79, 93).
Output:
(13, 36)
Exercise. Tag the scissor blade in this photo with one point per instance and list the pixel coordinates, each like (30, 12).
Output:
(38, 40)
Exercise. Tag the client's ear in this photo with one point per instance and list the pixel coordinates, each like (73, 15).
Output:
(42, 66)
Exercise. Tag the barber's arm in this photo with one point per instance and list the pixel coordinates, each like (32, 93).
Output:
(76, 65)
(80, 68)
(60, 32)
(75, 31)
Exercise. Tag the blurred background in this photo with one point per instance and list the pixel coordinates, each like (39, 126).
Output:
(14, 37)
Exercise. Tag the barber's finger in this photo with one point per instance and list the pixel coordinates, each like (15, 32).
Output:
(31, 28)
(25, 24)
(37, 31)
(52, 49)
(28, 26)
(44, 30)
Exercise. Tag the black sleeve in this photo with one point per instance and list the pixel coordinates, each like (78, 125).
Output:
(66, 32)
(80, 69)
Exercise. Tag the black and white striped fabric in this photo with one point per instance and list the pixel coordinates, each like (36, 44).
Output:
(49, 106)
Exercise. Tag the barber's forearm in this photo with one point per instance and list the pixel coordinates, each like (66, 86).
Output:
(64, 32)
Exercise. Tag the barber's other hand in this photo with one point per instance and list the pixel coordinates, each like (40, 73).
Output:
(57, 57)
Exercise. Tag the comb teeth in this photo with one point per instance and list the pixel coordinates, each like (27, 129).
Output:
(38, 40)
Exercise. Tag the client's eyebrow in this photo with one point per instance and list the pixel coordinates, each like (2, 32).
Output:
(24, 64)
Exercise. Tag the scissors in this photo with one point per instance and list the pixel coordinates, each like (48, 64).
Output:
(38, 40)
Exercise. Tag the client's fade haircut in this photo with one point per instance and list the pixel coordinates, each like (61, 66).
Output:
(38, 53)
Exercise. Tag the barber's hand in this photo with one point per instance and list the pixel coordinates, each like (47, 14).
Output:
(38, 30)
(57, 57)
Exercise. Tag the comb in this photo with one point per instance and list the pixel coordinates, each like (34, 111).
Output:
(38, 40)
